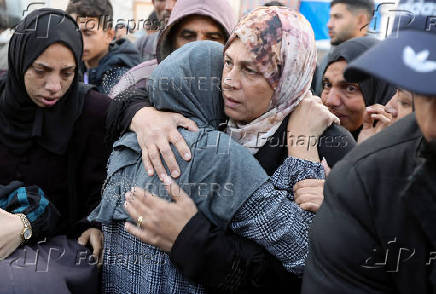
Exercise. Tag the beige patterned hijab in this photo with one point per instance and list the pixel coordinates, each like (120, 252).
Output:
(283, 44)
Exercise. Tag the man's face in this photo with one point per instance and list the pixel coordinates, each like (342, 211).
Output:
(344, 99)
(169, 5)
(96, 39)
(197, 28)
(425, 108)
(159, 7)
(343, 24)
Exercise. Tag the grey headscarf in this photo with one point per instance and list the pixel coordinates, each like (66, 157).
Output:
(221, 174)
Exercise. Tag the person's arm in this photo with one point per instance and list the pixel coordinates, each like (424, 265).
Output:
(225, 262)
(31, 202)
(274, 220)
(155, 130)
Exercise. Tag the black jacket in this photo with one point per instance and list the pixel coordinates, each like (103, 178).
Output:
(121, 57)
(375, 232)
(71, 182)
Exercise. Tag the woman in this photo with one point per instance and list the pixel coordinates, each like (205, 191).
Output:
(368, 107)
(51, 137)
(225, 181)
(249, 252)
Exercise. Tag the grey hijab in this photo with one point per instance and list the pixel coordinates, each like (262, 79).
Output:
(221, 174)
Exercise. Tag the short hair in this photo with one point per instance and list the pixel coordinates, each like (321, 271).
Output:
(274, 3)
(353, 5)
(91, 8)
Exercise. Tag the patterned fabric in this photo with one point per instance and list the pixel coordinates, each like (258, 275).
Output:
(283, 45)
(270, 217)
(133, 267)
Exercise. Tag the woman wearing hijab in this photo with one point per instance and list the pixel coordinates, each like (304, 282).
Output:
(225, 181)
(52, 138)
(238, 260)
(365, 98)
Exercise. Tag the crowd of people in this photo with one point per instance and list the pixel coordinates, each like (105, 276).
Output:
(218, 155)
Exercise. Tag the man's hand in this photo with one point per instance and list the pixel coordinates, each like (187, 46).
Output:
(155, 131)
(11, 228)
(308, 194)
(95, 238)
(375, 119)
(162, 220)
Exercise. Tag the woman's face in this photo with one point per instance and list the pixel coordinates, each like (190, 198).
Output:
(50, 75)
(405, 102)
(400, 104)
(247, 94)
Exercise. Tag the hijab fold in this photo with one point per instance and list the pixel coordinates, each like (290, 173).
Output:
(23, 122)
(282, 43)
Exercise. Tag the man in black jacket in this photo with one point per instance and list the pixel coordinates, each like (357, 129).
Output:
(375, 232)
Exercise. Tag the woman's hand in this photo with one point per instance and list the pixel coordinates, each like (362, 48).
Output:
(375, 119)
(162, 220)
(11, 228)
(155, 131)
(306, 124)
(308, 194)
(95, 238)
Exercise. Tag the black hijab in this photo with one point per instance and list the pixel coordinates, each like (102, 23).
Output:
(375, 91)
(22, 121)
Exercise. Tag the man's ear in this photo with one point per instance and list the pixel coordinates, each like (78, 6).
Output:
(363, 21)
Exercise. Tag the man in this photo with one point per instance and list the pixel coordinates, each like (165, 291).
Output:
(191, 20)
(217, 18)
(348, 19)
(375, 231)
(159, 8)
(146, 45)
(105, 61)
(348, 100)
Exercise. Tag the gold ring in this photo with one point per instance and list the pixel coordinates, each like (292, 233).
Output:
(139, 221)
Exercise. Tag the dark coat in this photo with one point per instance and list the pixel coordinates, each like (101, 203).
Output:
(375, 232)
(121, 57)
(71, 182)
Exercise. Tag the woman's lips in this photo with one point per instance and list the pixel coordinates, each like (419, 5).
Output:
(231, 103)
(49, 102)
